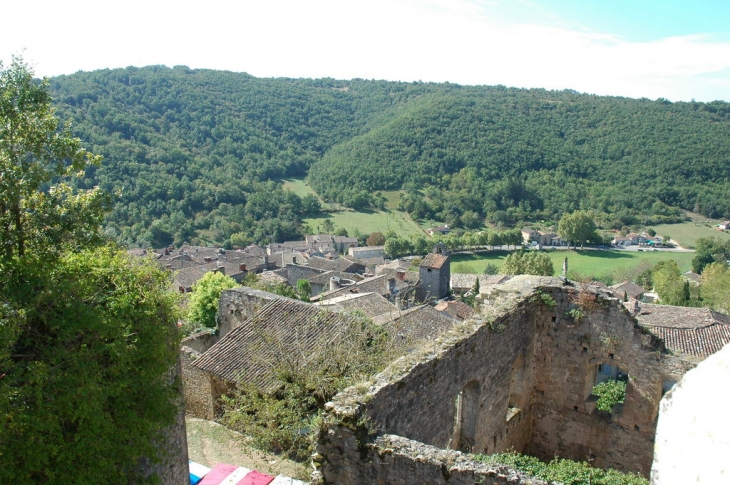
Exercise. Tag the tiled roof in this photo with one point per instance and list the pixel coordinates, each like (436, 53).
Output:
(392, 266)
(695, 331)
(632, 289)
(370, 304)
(377, 284)
(455, 308)
(281, 328)
(339, 264)
(419, 323)
(324, 278)
(274, 277)
(692, 276)
(433, 260)
(190, 275)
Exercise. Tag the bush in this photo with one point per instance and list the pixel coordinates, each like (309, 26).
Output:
(610, 393)
(568, 472)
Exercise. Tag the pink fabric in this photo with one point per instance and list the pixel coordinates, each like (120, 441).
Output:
(218, 474)
(256, 478)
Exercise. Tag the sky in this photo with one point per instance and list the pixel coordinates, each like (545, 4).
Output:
(673, 49)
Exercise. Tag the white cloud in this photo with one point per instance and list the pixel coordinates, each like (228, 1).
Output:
(459, 41)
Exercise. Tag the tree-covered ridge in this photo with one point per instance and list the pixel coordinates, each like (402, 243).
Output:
(192, 151)
(187, 148)
(545, 152)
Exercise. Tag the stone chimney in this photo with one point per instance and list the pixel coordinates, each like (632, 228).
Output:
(390, 286)
(335, 283)
(400, 274)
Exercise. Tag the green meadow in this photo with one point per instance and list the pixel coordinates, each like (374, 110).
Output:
(365, 221)
(587, 263)
(687, 233)
(298, 186)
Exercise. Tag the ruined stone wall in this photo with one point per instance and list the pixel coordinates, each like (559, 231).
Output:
(394, 460)
(201, 341)
(481, 358)
(529, 361)
(239, 304)
(568, 352)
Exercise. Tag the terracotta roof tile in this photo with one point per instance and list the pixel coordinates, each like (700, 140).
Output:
(433, 260)
(281, 328)
(695, 331)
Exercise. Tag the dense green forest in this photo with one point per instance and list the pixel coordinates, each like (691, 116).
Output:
(196, 155)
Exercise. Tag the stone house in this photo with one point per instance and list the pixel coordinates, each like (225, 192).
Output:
(366, 252)
(434, 273)
(631, 289)
(279, 330)
(441, 230)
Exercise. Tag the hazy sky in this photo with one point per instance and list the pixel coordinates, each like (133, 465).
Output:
(675, 49)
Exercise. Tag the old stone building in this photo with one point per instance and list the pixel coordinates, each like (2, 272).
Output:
(519, 375)
(434, 274)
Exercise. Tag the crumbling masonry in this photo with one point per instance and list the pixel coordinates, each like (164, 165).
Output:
(517, 376)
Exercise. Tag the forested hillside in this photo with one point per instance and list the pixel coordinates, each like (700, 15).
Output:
(196, 153)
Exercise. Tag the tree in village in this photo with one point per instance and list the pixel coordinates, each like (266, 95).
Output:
(87, 336)
(710, 250)
(375, 239)
(715, 287)
(203, 303)
(669, 284)
(304, 290)
(577, 227)
(527, 262)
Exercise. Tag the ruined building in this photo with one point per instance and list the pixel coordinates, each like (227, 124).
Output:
(518, 375)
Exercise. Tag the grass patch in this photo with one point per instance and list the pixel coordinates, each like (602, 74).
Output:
(392, 197)
(583, 262)
(298, 186)
(687, 233)
(368, 222)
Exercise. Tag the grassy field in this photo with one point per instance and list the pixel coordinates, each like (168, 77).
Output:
(597, 263)
(298, 186)
(687, 233)
(368, 222)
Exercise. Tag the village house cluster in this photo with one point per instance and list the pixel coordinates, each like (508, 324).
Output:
(516, 371)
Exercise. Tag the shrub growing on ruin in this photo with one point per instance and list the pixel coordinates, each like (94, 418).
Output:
(610, 393)
(560, 470)
(283, 421)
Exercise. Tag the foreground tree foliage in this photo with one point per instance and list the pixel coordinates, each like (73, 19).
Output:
(87, 337)
(715, 287)
(87, 343)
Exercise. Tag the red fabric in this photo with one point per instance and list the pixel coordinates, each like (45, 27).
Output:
(256, 478)
(217, 474)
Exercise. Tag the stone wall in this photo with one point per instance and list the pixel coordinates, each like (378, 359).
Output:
(197, 388)
(528, 360)
(296, 272)
(395, 460)
(239, 304)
